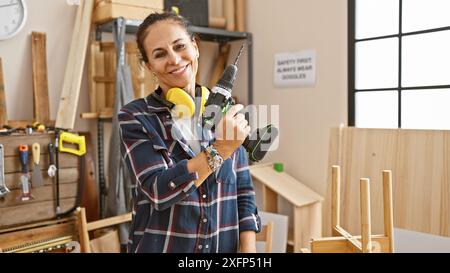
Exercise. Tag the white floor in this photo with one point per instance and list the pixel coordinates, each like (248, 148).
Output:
(406, 241)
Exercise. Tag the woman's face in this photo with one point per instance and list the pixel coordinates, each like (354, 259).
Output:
(172, 55)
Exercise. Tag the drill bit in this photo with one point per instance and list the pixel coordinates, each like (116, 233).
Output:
(239, 54)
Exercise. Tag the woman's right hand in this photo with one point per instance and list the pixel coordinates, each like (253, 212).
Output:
(231, 131)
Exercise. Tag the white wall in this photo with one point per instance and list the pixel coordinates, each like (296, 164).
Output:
(56, 18)
(308, 113)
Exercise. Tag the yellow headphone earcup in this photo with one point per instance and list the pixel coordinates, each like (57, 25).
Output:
(184, 104)
(205, 95)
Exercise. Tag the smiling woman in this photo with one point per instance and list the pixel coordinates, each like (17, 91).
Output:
(194, 192)
(173, 53)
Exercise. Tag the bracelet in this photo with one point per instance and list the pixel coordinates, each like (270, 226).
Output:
(214, 158)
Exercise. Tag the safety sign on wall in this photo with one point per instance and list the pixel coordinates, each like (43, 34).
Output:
(295, 69)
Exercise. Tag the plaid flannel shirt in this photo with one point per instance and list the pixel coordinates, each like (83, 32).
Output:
(170, 214)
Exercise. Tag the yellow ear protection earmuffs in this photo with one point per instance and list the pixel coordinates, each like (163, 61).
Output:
(182, 104)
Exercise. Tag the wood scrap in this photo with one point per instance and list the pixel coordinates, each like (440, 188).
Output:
(89, 197)
(228, 12)
(75, 65)
(217, 22)
(3, 113)
(40, 82)
(240, 14)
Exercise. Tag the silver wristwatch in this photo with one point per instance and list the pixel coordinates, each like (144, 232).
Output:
(213, 157)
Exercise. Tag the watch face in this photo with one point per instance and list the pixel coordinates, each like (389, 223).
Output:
(12, 17)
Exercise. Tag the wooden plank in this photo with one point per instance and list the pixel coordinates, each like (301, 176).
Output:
(286, 186)
(65, 176)
(36, 234)
(12, 164)
(3, 112)
(89, 196)
(111, 221)
(156, 4)
(109, 12)
(107, 113)
(388, 212)
(335, 196)
(240, 14)
(228, 11)
(100, 88)
(353, 243)
(270, 200)
(75, 65)
(30, 212)
(307, 223)
(40, 82)
(40, 194)
(366, 242)
(217, 22)
(110, 64)
(92, 73)
(445, 188)
(25, 123)
(341, 245)
(37, 225)
(419, 180)
(83, 232)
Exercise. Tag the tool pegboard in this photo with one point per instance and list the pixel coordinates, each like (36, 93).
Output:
(15, 209)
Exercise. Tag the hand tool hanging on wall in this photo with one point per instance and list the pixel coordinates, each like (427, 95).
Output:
(63, 138)
(36, 177)
(51, 171)
(58, 207)
(3, 189)
(25, 177)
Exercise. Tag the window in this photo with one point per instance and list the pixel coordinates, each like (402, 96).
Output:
(399, 64)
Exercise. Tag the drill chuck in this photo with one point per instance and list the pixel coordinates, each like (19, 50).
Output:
(228, 77)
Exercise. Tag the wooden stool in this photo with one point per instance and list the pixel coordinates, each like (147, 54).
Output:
(342, 241)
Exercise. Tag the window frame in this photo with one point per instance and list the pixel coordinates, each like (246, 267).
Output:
(352, 58)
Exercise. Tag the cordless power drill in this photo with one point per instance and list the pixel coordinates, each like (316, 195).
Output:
(219, 102)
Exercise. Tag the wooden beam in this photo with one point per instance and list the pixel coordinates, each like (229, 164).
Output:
(217, 22)
(335, 198)
(83, 231)
(341, 245)
(366, 230)
(228, 12)
(75, 65)
(388, 208)
(40, 82)
(111, 221)
(240, 14)
(270, 199)
(3, 113)
(355, 245)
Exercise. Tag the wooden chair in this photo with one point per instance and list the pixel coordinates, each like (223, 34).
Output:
(266, 236)
(85, 227)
